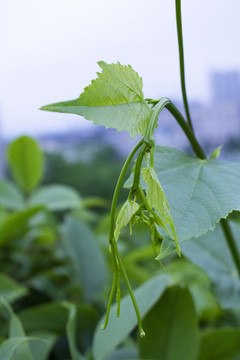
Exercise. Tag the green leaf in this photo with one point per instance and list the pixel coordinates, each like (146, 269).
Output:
(86, 257)
(56, 197)
(26, 162)
(16, 330)
(10, 196)
(11, 290)
(9, 347)
(71, 332)
(115, 100)
(196, 280)
(16, 224)
(199, 192)
(157, 200)
(41, 349)
(52, 317)
(219, 344)
(171, 327)
(212, 254)
(127, 211)
(105, 341)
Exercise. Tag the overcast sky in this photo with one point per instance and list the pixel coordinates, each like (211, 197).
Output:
(49, 50)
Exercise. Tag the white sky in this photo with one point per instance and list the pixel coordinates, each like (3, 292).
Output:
(49, 50)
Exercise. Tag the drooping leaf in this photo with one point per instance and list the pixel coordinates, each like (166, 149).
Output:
(10, 196)
(199, 192)
(15, 224)
(172, 328)
(219, 344)
(26, 162)
(86, 257)
(211, 253)
(115, 100)
(157, 200)
(127, 211)
(56, 197)
(11, 290)
(71, 329)
(119, 328)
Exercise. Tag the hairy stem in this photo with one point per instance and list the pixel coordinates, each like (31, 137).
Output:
(181, 60)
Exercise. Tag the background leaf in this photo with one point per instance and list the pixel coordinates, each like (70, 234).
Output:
(219, 344)
(171, 327)
(85, 255)
(56, 197)
(16, 224)
(118, 329)
(10, 196)
(71, 329)
(11, 290)
(115, 100)
(52, 317)
(211, 253)
(26, 162)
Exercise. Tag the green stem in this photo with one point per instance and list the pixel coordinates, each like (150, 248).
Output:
(138, 166)
(231, 243)
(187, 130)
(141, 331)
(181, 60)
(166, 103)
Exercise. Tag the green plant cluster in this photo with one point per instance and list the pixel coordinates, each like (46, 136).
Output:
(181, 210)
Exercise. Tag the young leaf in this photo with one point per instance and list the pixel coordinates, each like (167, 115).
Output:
(172, 328)
(216, 153)
(115, 100)
(127, 211)
(26, 161)
(157, 200)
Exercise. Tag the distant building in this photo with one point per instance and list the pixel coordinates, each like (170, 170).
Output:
(225, 86)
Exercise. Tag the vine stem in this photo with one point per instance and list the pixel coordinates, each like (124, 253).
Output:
(195, 145)
(181, 61)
